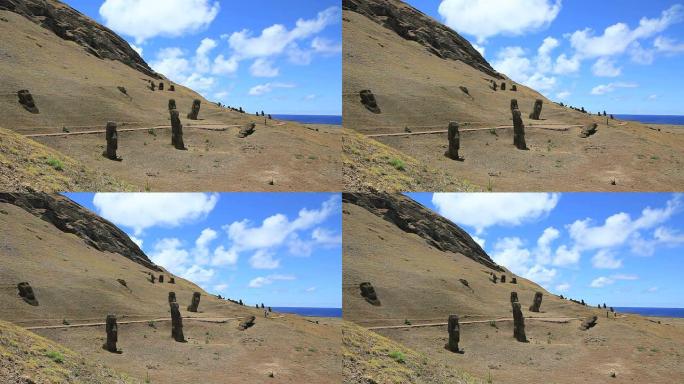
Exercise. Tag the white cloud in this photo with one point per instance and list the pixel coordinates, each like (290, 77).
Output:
(563, 95)
(543, 251)
(605, 259)
(138, 49)
(652, 289)
(262, 89)
(617, 38)
(479, 48)
(607, 88)
(563, 287)
(169, 254)
(325, 46)
(482, 210)
(263, 259)
(261, 281)
(486, 18)
(276, 39)
(144, 210)
(201, 251)
(652, 97)
(326, 237)
(481, 241)
(145, 19)
(602, 281)
(566, 256)
(540, 275)
(605, 67)
(223, 256)
(310, 289)
(663, 44)
(221, 287)
(137, 241)
(509, 252)
(198, 82)
(170, 62)
(263, 68)
(198, 275)
(223, 66)
(530, 72)
(202, 63)
(565, 65)
(619, 228)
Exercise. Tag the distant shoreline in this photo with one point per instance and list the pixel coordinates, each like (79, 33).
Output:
(312, 119)
(653, 119)
(311, 311)
(653, 312)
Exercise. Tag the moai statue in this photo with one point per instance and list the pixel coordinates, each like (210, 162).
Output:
(194, 113)
(494, 86)
(269, 117)
(172, 280)
(161, 278)
(262, 306)
(612, 117)
(514, 88)
(172, 104)
(368, 100)
(514, 104)
(161, 86)
(454, 334)
(26, 100)
(518, 131)
(172, 88)
(368, 292)
(241, 302)
(172, 297)
(176, 323)
(536, 112)
(503, 86)
(514, 280)
(112, 334)
(262, 114)
(582, 302)
(112, 142)
(246, 130)
(503, 278)
(269, 309)
(195, 302)
(176, 131)
(537, 302)
(26, 293)
(152, 86)
(514, 297)
(495, 279)
(518, 323)
(247, 323)
(454, 141)
(604, 305)
(152, 278)
(612, 310)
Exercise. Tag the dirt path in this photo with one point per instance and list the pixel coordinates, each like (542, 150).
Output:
(548, 127)
(209, 127)
(215, 320)
(559, 320)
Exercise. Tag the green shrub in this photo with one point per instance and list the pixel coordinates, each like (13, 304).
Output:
(55, 356)
(397, 356)
(55, 163)
(398, 164)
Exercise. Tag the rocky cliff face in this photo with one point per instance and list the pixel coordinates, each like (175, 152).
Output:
(70, 217)
(69, 24)
(415, 218)
(411, 24)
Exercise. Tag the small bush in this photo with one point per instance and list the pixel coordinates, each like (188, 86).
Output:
(397, 356)
(55, 356)
(55, 163)
(398, 164)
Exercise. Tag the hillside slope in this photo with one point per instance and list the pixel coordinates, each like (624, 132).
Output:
(86, 270)
(388, 51)
(417, 283)
(81, 75)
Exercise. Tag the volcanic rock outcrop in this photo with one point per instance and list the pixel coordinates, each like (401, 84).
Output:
(70, 217)
(411, 24)
(26, 100)
(69, 24)
(26, 293)
(368, 101)
(368, 293)
(412, 217)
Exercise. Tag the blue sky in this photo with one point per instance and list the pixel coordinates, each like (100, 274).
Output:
(282, 57)
(282, 249)
(622, 56)
(624, 249)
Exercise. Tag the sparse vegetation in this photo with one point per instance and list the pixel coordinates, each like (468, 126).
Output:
(398, 164)
(55, 356)
(397, 356)
(55, 163)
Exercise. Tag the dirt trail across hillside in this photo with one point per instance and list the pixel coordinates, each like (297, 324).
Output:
(559, 320)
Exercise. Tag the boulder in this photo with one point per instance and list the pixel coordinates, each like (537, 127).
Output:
(368, 100)
(368, 292)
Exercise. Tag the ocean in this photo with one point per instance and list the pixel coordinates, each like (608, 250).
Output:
(660, 312)
(311, 312)
(654, 119)
(312, 119)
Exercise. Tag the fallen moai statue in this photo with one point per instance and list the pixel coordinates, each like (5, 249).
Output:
(247, 323)
(588, 130)
(588, 323)
(26, 100)
(246, 130)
